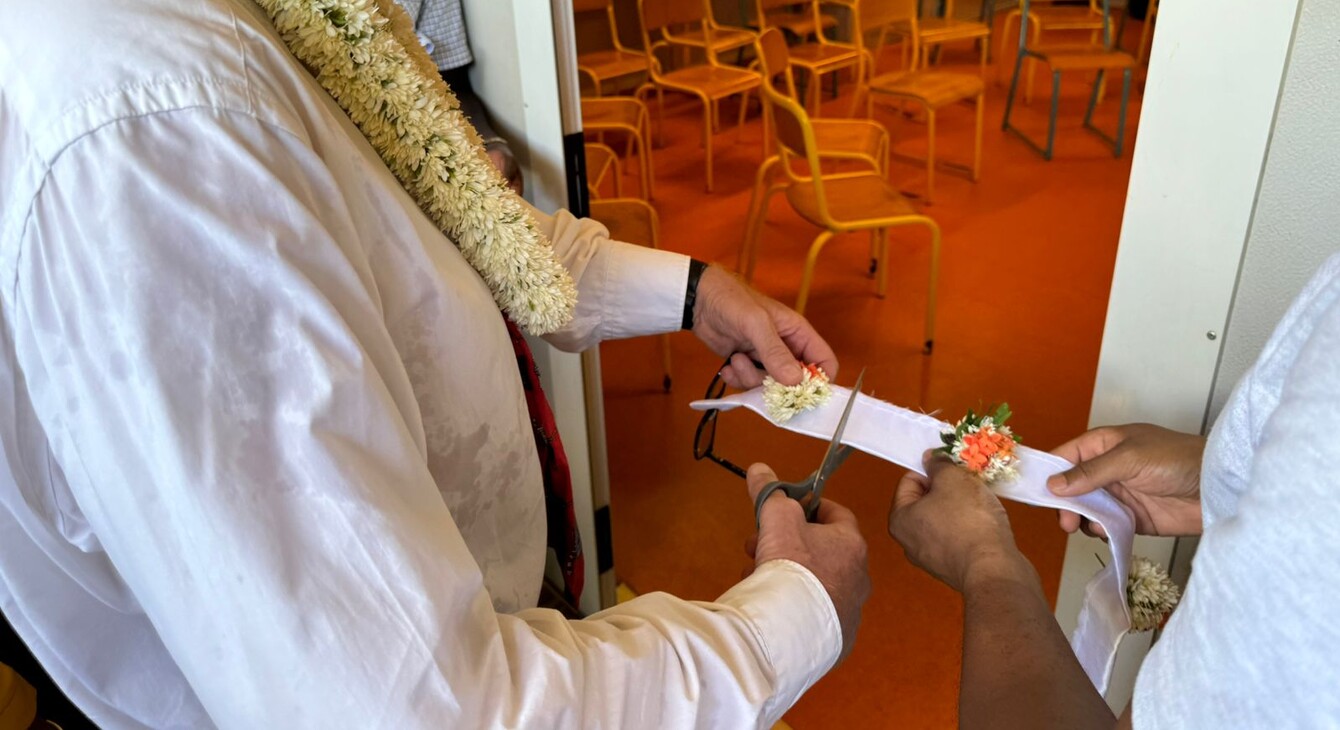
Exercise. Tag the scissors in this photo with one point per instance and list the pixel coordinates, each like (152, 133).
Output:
(813, 485)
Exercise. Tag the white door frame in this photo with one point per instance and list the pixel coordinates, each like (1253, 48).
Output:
(1215, 75)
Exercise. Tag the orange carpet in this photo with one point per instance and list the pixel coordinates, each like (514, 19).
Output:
(1025, 272)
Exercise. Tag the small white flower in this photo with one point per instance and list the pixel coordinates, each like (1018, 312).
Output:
(1151, 594)
(784, 401)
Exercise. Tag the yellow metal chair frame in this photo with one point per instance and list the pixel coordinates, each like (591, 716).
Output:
(710, 82)
(634, 221)
(809, 196)
(822, 56)
(853, 140)
(932, 32)
(616, 62)
(799, 24)
(707, 35)
(601, 159)
(930, 89)
(629, 117)
(1101, 58)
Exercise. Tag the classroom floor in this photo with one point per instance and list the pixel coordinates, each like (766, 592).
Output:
(1025, 272)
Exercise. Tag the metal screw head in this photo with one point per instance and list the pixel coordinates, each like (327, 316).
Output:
(1211, 335)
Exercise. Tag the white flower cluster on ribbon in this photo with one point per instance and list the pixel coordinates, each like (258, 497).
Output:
(785, 401)
(1151, 593)
(365, 55)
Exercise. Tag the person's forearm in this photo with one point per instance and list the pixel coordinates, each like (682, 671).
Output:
(1018, 668)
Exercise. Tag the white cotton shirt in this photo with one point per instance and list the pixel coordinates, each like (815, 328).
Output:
(1255, 642)
(266, 457)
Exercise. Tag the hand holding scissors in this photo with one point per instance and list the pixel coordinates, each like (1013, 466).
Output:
(812, 487)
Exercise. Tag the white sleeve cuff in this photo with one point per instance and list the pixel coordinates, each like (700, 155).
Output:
(796, 624)
(647, 291)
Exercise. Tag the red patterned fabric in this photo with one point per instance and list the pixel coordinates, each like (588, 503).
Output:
(564, 537)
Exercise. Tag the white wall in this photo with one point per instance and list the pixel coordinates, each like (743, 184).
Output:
(1214, 81)
(1297, 220)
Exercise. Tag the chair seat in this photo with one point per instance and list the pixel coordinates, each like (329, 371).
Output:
(939, 30)
(713, 81)
(612, 112)
(723, 39)
(800, 25)
(848, 136)
(612, 63)
(858, 198)
(823, 55)
(1061, 58)
(935, 89)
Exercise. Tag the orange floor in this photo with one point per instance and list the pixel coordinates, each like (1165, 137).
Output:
(1026, 268)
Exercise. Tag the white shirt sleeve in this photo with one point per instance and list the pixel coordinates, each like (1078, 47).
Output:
(623, 290)
(1255, 642)
(205, 351)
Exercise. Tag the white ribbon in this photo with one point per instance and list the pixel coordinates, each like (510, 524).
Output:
(902, 436)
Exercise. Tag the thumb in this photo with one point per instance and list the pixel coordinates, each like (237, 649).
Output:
(1087, 476)
(776, 357)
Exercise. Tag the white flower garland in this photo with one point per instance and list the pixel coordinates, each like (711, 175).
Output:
(364, 54)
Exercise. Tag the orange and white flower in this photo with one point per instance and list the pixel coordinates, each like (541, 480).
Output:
(983, 445)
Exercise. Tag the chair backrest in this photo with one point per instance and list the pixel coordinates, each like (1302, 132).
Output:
(795, 137)
(1100, 6)
(881, 16)
(658, 14)
(763, 6)
(774, 60)
(629, 220)
(590, 6)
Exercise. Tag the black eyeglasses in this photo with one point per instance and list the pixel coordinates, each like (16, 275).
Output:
(704, 439)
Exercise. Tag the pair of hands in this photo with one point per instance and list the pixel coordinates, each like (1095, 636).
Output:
(948, 522)
(951, 525)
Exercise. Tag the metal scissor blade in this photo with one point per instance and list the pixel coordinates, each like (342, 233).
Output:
(831, 462)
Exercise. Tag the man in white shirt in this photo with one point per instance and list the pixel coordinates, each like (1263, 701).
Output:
(1254, 643)
(266, 456)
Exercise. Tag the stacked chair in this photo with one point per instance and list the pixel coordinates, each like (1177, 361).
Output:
(1099, 56)
(929, 90)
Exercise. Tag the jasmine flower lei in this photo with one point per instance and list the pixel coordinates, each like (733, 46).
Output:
(365, 55)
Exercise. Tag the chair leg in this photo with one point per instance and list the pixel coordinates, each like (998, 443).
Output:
(1121, 117)
(815, 248)
(930, 155)
(744, 107)
(931, 292)
(1032, 64)
(1051, 123)
(1014, 86)
(708, 116)
(883, 290)
(665, 362)
(977, 144)
(1093, 98)
(1004, 41)
(758, 209)
(644, 144)
(874, 253)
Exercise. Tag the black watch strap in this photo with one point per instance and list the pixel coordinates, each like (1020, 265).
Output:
(696, 269)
